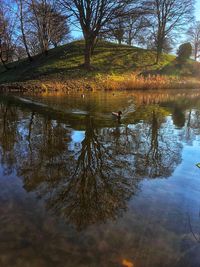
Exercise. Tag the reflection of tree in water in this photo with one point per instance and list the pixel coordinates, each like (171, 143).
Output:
(8, 135)
(98, 187)
(45, 158)
(192, 126)
(110, 164)
(94, 182)
(159, 152)
(152, 141)
(178, 117)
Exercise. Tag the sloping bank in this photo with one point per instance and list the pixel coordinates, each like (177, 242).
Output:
(114, 67)
(105, 83)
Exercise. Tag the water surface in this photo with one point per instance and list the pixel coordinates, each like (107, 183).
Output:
(79, 188)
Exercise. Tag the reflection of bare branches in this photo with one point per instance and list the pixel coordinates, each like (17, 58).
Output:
(190, 251)
(192, 126)
(154, 152)
(97, 189)
(159, 153)
(195, 235)
(90, 158)
(8, 134)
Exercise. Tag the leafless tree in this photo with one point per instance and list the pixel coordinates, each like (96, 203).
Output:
(21, 4)
(92, 17)
(167, 16)
(115, 30)
(135, 26)
(40, 19)
(47, 23)
(6, 31)
(59, 29)
(194, 38)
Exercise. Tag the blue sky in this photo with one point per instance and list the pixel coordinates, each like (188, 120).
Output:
(198, 9)
(78, 34)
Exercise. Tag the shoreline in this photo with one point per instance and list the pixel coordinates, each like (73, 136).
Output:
(103, 83)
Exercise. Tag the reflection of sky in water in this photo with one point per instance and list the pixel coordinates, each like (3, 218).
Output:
(153, 227)
(76, 138)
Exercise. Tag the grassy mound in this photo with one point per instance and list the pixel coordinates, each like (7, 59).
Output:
(65, 63)
(115, 67)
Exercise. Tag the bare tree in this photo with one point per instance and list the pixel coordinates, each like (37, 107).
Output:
(21, 4)
(41, 17)
(92, 17)
(115, 30)
(135, 26)
(60, 30)
(167, 16)
(6, 30)
(194, 38)
(47, 23)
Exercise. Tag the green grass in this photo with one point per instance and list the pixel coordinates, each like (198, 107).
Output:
(65, 62)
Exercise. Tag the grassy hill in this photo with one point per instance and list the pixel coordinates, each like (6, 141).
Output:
(65, 63)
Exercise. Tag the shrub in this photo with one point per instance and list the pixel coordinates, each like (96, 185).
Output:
(184, 53)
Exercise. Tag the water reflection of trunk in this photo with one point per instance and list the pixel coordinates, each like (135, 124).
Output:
(116, 138)
(4, 133)
(8, 136)
(47, 135)
(7, 130)
(154, 150)
(188, 129)
(153, 156)
(90, 158)
(52, 140)
(30, 131)
(192, 127)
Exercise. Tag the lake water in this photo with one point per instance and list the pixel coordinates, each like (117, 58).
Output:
(79, 188)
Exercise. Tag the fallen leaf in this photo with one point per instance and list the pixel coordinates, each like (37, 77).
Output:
(127, 263)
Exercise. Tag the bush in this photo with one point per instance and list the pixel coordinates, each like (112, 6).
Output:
(184, 53)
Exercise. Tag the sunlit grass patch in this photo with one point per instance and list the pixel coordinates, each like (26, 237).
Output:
(134, 82)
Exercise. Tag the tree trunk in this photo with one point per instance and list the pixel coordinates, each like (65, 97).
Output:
(157, 57)
(23, 34)
(4, 64)
(195, 52)
(94, 44)
(160, 44)
(129, 42)
(88, 52)
(119, 41)
(26, 47)
(129, 39)
(46, 52)
(158, 53)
